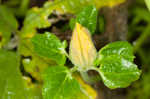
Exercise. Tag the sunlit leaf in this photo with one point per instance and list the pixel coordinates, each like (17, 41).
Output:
(35, 66)
(148, 3)
(87, 18)
(116, 65)
(33, 63)
(109, 3)
(49, 46)
(37, 18)
(123, 49)
(118, 72)
(75, 6)
(59, 84)
(82, 50)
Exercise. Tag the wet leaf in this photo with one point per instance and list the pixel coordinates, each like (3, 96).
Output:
(59, 84)
(87, 18)
(118, 72)
(82, 51)
(121, 48)
(116, 65)
(49, 46)
(33, 63)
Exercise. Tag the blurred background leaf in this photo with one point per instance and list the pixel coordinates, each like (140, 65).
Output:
(148, 3)
(139, 34)
(8, 25)
(12, 84)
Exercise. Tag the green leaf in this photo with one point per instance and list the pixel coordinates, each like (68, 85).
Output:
(18, 7)
(11, 85)
(8, 24)
(33, 63)
(35, 66)
(70, 6)
(75, 6)
(148, 3)
(59, 84)
(121, 48)
(49, 46)
(36, 18)
(32, 90)
(87, 18)
(116, 65)
(118, 72)
(72, 23)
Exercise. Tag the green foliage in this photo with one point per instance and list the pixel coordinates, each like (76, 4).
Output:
(101, 24)
(116, 59)
(18, 7)
(120, 48)
(109, 3)
(59, 84)
(11, 82)
(75, 6)
(8, 24)
(49, 46)
(43, 56)
(116, 65)
(38, 17)
(141, 15)
(140, 89)
(117, 72)
(148, 3)
(33, 63)
(87, 17)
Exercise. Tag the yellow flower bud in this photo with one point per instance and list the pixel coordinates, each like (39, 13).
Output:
(82, 51)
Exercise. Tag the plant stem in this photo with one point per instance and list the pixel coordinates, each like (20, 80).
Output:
(142, 38)
(85, 76)
(74, 69)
